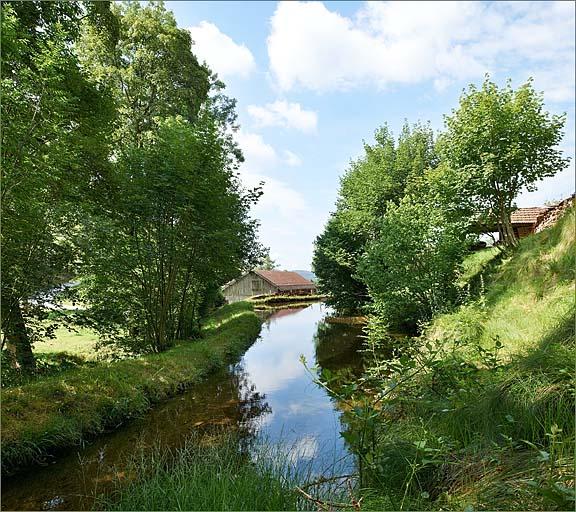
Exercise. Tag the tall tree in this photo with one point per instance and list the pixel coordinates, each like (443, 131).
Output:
(180, 227)
(55, 126)
(502, 140)
(152, 71)
(175, 210)
(370, 186)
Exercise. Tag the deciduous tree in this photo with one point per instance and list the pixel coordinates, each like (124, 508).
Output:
(502, 140)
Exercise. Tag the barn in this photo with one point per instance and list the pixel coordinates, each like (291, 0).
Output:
(523, 221)
(267, 282)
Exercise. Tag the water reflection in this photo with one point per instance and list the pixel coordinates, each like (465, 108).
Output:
(269, 392)
(338, 346)
(227, 399)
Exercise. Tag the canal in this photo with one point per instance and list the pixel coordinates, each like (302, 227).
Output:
(268, 394)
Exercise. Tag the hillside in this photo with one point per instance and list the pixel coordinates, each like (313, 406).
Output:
(488, 422)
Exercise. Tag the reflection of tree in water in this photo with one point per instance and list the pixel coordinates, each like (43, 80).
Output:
(227, 401)
(251, 405)
(338, 347)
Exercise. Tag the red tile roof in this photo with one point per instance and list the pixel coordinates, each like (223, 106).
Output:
(528, 215)
(284, 278)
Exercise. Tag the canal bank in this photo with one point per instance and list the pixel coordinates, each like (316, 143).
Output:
(268, 395)
(59, 412)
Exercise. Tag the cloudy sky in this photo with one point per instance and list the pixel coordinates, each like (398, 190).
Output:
(315, 79)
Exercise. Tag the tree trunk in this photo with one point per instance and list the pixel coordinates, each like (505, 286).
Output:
(17, 341)
(509, 238)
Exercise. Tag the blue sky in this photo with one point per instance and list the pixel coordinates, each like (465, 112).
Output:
(315, 79)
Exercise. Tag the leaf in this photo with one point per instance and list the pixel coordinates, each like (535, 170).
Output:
(420, 444)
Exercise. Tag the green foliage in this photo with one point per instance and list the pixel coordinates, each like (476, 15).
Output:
(62, 410)
(336, 254)
(478, 411)
(502, 141)
(173, 203)
(267, 263)
(152, 71)
(119, 164)
(56, 146)
(370, 186)
(181, 228)
(411, 268)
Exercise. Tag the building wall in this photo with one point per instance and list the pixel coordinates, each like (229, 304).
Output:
(247, 286)
(525, 231)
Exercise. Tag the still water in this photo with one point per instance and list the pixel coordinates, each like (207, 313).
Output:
(268, 392)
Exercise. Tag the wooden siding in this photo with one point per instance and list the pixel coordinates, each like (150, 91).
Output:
(248, 286)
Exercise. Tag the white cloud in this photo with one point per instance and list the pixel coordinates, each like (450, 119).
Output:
(292, 159)
(305, 448)
(256, 152)
(220, 52)
(282, 113)
(261, 159)
(409, 42)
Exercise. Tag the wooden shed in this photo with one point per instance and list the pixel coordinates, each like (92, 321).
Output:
(267, 282)
(523, 220)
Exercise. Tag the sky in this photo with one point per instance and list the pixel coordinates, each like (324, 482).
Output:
(314, 80)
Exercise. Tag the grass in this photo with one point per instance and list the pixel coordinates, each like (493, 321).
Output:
(208, 476)
(61, 411)
(476, 263)
(80, 342)
(488, 428)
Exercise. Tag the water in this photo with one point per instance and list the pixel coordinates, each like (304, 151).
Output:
(269, 392)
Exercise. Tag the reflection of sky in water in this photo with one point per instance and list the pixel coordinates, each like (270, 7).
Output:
(269, 391)
(303, 419)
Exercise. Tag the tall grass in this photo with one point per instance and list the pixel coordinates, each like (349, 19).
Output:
(209, 476)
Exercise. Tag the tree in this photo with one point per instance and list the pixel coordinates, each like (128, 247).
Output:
(502, 140)
(369, 187)
(180, 229)
(411, 268)
(152, 72)
(336, 254)
(267, 263)
(174, 224)
(55, 128)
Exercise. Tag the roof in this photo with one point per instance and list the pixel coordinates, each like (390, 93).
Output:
(285, 279)
(528, 215)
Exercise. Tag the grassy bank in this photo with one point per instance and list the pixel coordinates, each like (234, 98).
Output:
(61, 411)
(207, 476)
(482, 412)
